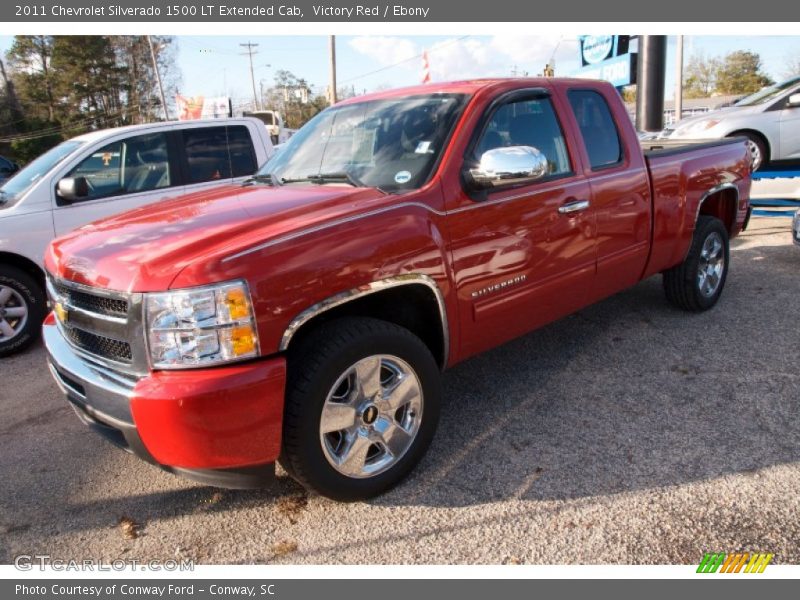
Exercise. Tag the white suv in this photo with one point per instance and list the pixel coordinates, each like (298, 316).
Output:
(100, 174)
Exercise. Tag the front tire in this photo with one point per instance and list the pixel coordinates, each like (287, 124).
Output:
(362, 405)
(696, 284)
(22, 310)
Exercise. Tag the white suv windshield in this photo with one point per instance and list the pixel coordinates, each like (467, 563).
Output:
(392, 144)
(35, 170)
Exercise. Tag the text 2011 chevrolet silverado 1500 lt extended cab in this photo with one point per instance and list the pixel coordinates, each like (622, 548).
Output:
(304, 316)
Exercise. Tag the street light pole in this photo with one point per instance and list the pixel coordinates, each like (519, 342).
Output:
(679, 79)
(158, 78)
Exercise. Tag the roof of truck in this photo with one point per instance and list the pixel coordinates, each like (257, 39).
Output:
(99, 134)
(467, 86)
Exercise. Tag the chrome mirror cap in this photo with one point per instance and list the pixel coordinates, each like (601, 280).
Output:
(509, 165)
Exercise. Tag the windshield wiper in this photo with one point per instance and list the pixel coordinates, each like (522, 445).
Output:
(323, 178)
(268, 178)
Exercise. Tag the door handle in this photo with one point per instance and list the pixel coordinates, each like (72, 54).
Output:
(574, 206)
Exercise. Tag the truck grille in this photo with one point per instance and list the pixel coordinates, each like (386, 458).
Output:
(104, 324)
(99, 304)
(99, 345)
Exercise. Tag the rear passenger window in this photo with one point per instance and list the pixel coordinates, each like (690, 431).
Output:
(243, 158)
(527, 123)
(599, 132)
(206, 154)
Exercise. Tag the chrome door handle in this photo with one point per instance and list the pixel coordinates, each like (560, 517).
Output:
(575, 206)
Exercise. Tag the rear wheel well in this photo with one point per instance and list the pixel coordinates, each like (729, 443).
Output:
(24, 264)
(414, 307)
(722, 205)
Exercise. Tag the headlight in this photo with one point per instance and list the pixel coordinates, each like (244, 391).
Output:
(200, 326)
(698, 127)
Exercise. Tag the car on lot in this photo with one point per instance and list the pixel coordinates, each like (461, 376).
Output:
(99, 174)
(796, 228)
(305, 315)
(769, 119)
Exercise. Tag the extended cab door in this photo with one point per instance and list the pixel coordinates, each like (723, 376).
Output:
(522, 255)
(124, 174)
(620, 186)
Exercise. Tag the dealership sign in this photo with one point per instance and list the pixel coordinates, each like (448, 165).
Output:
(199, 107)
(607, 57)
(595, 48)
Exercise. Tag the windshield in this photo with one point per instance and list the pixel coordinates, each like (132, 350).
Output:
(392, 144)
(35, 170)
(768, 93)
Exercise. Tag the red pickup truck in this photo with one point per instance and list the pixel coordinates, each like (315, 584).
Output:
(304, 316)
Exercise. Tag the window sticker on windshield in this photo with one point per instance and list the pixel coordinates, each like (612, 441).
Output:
(424, 148)
(363, 148)
(402, 177)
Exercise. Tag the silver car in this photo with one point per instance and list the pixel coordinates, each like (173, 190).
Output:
(770, 119)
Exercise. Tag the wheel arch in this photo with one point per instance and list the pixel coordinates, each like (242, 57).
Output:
(24, 264)
(745, 131)
(721, 202)
(413, 301)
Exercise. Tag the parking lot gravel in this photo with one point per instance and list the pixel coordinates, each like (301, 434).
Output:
(630, 432)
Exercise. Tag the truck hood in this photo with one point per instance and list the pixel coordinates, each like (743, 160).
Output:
(145, 249)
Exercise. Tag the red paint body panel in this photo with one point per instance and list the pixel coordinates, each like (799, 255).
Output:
(298, 245)
(212, 418)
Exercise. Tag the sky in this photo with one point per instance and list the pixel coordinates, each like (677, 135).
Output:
(217, 65)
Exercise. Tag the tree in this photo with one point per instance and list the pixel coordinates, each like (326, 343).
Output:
(29, 57)
(792, 66)
(293, 98)
(740, 73)
(700, 76)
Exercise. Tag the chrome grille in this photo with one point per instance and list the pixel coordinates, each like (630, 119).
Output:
(103, 305)
(100, 324)
(99, 345)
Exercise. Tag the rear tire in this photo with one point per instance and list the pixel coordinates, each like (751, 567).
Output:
(23, 307)
(696, 284)
(362, 405)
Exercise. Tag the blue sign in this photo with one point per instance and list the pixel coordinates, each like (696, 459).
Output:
(619, 70)
(596, 48)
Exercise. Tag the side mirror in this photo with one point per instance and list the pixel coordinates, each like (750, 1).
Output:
(73, 188)
(794, 101)
(509, 165)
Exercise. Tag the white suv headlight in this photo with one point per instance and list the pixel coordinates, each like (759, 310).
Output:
(200, 326)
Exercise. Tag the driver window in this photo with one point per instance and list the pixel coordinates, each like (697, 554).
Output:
(137, 164)
(527, 123)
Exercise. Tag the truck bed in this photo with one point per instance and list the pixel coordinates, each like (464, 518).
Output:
(667, 147)
(682, 173)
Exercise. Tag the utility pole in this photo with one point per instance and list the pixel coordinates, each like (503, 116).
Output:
(650, 72)
(332, 55)
(158, 78)
(250, 51)
(679, 79)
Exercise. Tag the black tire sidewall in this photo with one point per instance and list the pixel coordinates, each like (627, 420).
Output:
(31, 291)
(308, 460)
(707, 226)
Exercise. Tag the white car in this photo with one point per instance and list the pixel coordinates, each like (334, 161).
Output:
(769, 119)
(99, 174)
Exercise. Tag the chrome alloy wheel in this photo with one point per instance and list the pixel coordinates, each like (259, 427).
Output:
(755, 155)
(371, 416)
(13, 313)
(711, 265)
